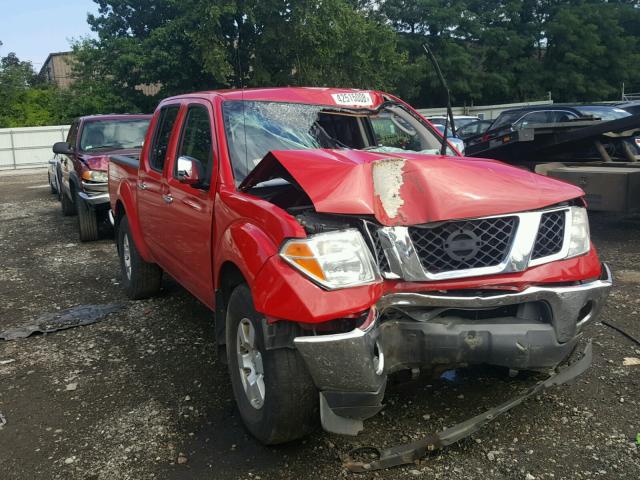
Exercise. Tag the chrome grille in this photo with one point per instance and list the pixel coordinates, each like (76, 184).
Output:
(381, 258)
(550, 234)
(465, 244)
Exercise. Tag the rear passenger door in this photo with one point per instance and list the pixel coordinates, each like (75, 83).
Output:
(151, 180)
(188, 214)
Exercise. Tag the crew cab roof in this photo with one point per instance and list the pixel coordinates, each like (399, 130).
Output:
(308, 95)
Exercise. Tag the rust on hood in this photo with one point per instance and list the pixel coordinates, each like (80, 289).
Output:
(410, 188)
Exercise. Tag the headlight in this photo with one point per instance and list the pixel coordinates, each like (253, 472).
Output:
(579, 238)
(333, 259)
(95, 176)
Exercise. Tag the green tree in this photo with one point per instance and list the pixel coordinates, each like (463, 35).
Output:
(592, 48)
(25, 100)
(189, 45)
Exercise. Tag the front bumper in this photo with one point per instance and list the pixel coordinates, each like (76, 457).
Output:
(94, 193)
(428, 330)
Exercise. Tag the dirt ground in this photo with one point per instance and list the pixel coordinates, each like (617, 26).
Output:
(140, 394)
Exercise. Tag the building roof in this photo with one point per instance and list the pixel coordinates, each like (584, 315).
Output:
(51, 55)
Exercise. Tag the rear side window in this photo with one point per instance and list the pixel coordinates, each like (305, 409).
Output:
(161, 136)
(196, 139)
(535, 117)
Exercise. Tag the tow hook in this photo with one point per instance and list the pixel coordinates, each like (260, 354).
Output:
(413, 452)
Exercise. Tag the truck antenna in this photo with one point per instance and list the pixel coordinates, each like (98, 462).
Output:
(241, 82)
(443, 82)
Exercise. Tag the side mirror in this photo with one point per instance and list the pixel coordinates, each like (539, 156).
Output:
(190, 171)
(62, 148)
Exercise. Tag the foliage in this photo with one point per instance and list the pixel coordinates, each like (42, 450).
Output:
(24, 99)
(490, 51)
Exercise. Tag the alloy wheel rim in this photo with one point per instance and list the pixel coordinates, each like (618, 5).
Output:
(250, 364)
(126, 256)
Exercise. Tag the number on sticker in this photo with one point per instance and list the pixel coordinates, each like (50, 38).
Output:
(353, 98)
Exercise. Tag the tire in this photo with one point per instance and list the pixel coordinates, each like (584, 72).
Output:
(87, 221)
(52, 186)
(140, 279)
(68, 207)
(288, 408)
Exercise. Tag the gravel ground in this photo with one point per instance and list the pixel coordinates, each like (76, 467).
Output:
(140, 394)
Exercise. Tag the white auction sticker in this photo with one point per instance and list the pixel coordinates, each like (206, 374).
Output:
(353, 98)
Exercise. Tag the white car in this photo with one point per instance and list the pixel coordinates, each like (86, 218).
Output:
(53, 174)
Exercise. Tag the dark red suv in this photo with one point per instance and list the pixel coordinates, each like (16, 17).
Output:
(83, 160)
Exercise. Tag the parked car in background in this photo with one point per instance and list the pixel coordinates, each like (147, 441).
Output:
(518, 118)
(83, 161)
(631, 107)
(453, 139)
(525, 117)
(335, 252)
(459, 120)
(53, 175)
(473, 128)
(634, 109)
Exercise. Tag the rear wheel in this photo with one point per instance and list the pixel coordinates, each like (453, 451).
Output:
(87, 221)
(275, 394)
(140, 279)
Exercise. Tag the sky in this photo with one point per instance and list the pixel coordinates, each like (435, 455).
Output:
(34, 28)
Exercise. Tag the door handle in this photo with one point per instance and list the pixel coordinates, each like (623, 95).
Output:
(167, 198)
(142, 185)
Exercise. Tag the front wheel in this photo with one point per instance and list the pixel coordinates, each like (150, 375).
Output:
(87, 221)
(275, 394)
(140, 279)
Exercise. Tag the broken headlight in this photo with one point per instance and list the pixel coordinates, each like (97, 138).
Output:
(95, 176)
(579, 237)
(337, 259)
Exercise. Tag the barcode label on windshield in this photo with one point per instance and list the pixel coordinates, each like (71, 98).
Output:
(353, 98)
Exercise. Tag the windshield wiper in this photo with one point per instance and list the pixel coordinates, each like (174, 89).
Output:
(101, 147)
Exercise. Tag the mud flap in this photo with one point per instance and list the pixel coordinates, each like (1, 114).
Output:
(414, 451)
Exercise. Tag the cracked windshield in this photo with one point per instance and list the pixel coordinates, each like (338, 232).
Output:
(254, 129)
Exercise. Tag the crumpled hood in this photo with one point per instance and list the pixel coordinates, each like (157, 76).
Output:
(100, 161)
(409, 188)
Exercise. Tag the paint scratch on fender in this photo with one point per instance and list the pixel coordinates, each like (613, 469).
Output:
(387, 181)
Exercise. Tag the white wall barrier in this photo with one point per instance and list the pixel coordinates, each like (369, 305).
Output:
(29, 147)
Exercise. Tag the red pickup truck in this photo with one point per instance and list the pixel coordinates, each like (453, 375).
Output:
(336, 246)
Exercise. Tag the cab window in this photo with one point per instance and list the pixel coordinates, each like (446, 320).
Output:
(161, 136)
(195, 141)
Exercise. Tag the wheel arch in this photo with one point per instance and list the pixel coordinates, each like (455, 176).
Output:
(229, 277)
(125, 207)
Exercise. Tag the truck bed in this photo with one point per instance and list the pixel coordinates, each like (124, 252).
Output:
(123, 169)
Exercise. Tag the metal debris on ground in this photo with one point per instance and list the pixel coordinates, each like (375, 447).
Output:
(3, 420)
(621, 330)
(72, 317)
(415, 451)
(8, 361)
(628, 361)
